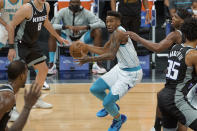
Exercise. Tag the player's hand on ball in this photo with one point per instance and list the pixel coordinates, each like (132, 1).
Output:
(82, 60)
(11, 54)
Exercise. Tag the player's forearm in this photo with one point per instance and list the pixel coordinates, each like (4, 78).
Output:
(96, 50)
(3, 22)
(150, 45)
(50, 28)
(19, 124)
(106, 56)
(11, 34)
(113, 5)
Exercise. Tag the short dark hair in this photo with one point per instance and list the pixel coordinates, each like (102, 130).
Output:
(183, 13)
(189, 29)
(115, 14)
(15, 69)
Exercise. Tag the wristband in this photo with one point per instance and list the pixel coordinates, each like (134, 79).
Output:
(11, 46)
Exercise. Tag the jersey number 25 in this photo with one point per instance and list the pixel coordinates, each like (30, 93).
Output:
(172, 71)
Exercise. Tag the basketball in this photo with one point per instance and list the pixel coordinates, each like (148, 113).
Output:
(75, 49)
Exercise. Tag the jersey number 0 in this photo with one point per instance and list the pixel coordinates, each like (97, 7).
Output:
(172, 71)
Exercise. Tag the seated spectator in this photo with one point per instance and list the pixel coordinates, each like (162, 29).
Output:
(76, 23)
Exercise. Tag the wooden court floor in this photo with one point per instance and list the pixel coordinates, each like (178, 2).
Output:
(74, 109)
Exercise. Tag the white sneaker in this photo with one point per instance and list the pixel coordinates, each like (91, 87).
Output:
(98, 70)
(52, 70)
(46, 86)
(14, 115)
(41, 104)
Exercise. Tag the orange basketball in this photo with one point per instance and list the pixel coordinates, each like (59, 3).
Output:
(75, 49)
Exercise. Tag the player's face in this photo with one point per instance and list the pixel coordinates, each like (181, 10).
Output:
(112, 23)
(176, 20)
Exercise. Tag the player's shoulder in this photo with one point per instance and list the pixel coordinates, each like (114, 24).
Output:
(7, 100)
(120, 28)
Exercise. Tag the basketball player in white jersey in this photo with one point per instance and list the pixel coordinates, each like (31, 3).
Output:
(7, 9)
(122, 77)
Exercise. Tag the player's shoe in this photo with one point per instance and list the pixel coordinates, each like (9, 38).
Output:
(103, 112)
(152, 129)
(41, 104)
(14, 115)
(116, 125)
(52, 69)
(98, 70)
(46, 86)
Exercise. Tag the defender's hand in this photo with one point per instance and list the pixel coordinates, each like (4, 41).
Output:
(133, 35)
(32, 95)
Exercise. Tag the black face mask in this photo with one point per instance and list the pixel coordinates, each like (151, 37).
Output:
(74, 8)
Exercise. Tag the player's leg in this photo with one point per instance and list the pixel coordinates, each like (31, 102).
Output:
(158, 120)
(52, 49)
(168, 120)
(42, 70)
(33, 57)
(107, 80)
(126, 80)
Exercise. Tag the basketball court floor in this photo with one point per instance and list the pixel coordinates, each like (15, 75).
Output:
(74, 107)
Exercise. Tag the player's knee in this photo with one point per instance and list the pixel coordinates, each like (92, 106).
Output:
(94, 89)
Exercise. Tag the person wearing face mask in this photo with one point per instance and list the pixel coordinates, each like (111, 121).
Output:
(76, 23)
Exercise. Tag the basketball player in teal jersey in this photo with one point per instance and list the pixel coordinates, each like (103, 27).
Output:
(122, 77)
(30, 19)
(8, 9)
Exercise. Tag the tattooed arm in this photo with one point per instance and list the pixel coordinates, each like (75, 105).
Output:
(109, 53)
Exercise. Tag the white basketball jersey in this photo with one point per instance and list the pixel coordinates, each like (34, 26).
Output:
(9, 9)
(126, 55)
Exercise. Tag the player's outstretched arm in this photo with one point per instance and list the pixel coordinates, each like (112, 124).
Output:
(30, 98)
(155, 47)
(49, 27)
